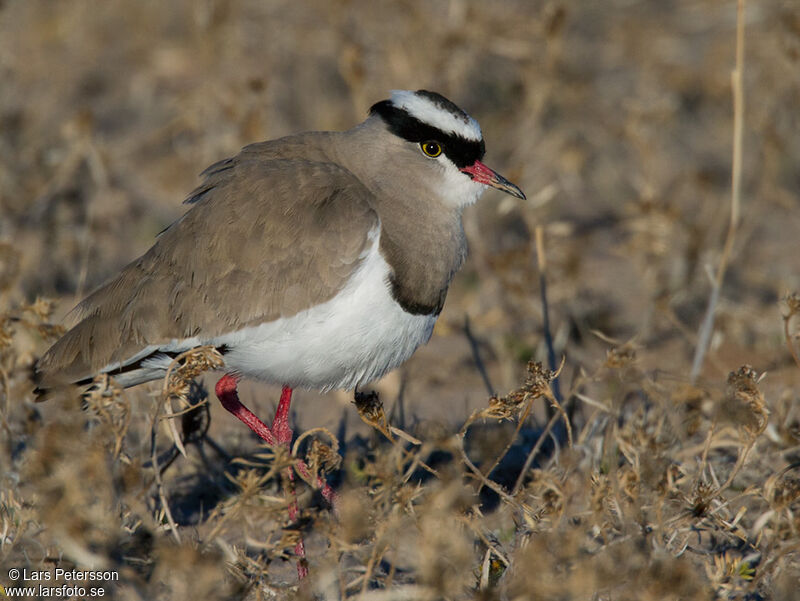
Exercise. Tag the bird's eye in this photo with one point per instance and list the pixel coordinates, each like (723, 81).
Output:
(431, 149)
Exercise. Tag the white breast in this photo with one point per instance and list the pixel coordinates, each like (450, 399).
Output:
(357, 336)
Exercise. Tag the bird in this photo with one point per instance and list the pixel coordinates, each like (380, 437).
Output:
(320, 260)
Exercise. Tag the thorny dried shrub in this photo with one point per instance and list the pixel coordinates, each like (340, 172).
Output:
(637, 508)
(107, 403)
(394, 531)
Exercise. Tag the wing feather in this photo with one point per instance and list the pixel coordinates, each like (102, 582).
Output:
(265, 238)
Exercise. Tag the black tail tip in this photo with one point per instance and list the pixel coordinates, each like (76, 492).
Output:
(41, 393)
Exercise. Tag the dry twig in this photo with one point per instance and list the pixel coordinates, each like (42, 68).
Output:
(704, 336)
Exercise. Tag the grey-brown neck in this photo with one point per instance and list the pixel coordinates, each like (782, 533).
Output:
(419, 204)
(422, 237)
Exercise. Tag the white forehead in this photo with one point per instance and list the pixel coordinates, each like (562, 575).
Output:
(427, 111)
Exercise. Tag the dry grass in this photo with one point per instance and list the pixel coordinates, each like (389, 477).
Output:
(628, 481)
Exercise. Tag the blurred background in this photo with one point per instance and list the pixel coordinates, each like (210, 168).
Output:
(614, 117)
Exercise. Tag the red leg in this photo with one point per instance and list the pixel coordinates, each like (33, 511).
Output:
(226, 392)
(279, 434)
(280, 425)
(283, 435)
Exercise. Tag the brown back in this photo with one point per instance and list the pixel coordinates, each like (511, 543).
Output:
(270, 233)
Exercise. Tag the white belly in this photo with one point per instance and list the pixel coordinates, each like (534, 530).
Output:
(357, 336)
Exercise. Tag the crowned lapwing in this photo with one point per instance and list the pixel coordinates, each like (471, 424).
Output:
(319, 260)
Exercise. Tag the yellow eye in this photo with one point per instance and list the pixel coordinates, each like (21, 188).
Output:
(431, 149)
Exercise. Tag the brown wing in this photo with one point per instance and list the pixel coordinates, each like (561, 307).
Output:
(263, 240)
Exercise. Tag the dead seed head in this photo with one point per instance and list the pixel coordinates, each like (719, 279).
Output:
(41, 309)
(782, 490)
(743, 392)
(189, 365)
(537, 384)
(198, 361)
(701, 501)
(792, 302)
(505, 407)
(370, 408)
(538, 378)
(322, 458)
(621, 356)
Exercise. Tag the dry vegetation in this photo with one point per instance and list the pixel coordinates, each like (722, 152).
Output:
(626, 480)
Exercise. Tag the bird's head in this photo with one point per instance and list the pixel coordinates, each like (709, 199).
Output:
(435, 137)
